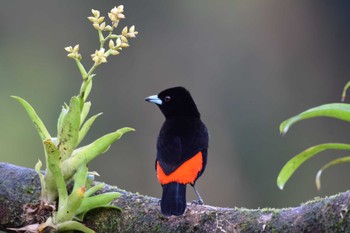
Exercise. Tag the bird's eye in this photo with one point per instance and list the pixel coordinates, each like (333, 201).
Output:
(167, 98)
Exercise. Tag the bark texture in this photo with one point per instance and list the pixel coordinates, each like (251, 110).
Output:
(19, 186)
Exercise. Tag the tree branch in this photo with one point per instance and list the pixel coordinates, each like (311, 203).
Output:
(19, 186)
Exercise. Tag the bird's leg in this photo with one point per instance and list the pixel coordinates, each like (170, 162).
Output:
(200, 200)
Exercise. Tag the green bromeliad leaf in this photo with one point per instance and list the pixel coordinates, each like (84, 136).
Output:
(69, 226)
(85, 111)
(81, 216)
(41, 177)
(87, 153)
(346, 87)
(85, 128)
(80, 177)
(339, 111)
(43, 133)
(331, 163)
(54, 180)
(97, 201)
(293, 164)
(69, 132)
(94, 189)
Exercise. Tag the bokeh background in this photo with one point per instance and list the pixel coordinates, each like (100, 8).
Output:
(248, 64)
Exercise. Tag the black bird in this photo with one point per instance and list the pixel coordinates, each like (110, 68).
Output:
(182, 147)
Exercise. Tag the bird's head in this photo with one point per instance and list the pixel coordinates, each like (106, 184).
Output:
(175, 102)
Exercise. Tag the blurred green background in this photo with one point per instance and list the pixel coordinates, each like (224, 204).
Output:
(248, 64)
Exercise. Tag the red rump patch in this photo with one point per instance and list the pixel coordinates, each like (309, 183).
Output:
(184, 174)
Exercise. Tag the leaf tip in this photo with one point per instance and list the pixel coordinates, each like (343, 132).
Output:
(343, 98)
(38, 165)
(280, 186)
(126, 129)
(318, 180)
(15, 97)
(280, 183)
(283, 130)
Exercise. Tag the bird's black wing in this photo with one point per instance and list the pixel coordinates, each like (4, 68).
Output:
(173, 149)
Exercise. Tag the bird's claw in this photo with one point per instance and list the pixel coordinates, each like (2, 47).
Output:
(197, 202)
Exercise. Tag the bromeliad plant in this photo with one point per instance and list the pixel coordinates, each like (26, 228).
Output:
(65, 161)
(339, 111)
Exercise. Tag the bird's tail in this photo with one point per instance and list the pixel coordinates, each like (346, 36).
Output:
(173, 199)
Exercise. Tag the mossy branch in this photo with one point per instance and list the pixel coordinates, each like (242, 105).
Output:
(19, 186)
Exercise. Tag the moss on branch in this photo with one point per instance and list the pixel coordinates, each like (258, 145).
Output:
(19, 186)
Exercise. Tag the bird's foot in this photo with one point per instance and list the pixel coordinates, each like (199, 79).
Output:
(197, 202)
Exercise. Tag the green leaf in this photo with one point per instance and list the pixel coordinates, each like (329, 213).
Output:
(81, 69)
(85, 112)
(73, 225)
(346, 87)
(68, 211)
(292, 165)
(54, 165)
(93, 202)
(69, 132)
(87, 153)
(335, 110)
(80, 177)
(94, 189)
(331, 163)
(60, 118)
(81, 216)
(85, 128)
(43, 133)
(86, 88)
(38, 166)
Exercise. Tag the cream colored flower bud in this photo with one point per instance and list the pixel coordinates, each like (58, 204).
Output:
(111, 44)
(116, 14)
(118, 43)
(125, 31)
(121, 8)
(115, 24)
(102, 26)
(96, 13)
(71, 55)
(111, 16)
(115, 52)
(124, 39)
(96, 26)
(96, 60)
(92, 19)
(125, 45)
(69, 49)
(103, 59)
(132, 33)
(109, 28)
(101, 19)
(76, 48)
(99, 56)
(114, 10)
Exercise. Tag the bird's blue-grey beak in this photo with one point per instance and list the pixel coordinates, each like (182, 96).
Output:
(154, 99)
